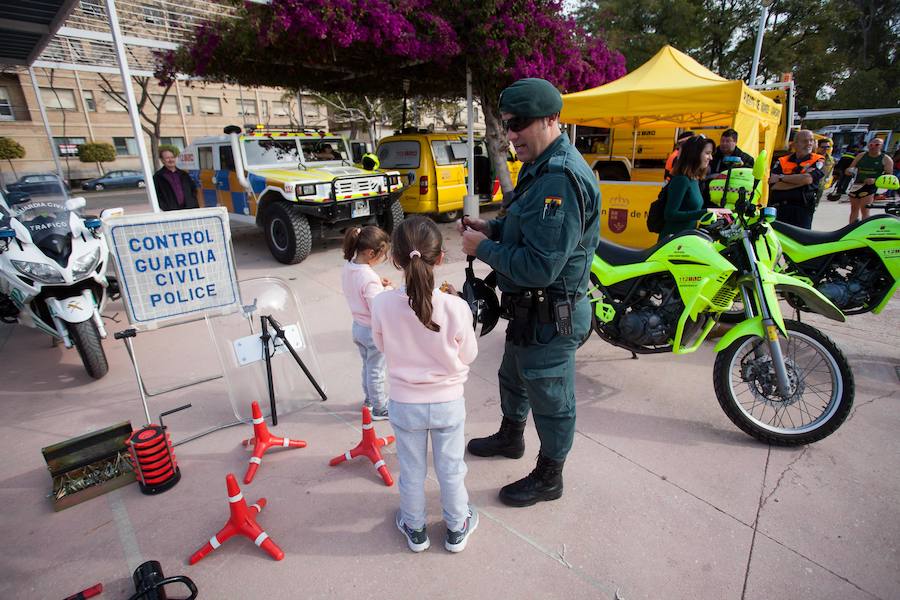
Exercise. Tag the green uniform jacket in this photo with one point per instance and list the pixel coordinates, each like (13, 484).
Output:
(540, 242)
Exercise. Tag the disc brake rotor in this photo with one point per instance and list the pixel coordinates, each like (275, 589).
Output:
(759, 375)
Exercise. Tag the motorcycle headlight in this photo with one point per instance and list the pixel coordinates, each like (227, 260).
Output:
(86, 263)
(38, 271)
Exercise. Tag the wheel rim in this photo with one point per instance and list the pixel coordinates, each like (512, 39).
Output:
(141, 184)
(98, 187)
(279, 234)
(815, 379)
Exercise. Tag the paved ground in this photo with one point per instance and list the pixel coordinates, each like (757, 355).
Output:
(665, 498)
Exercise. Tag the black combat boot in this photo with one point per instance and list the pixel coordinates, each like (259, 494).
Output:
(508, 442)
(544, 483)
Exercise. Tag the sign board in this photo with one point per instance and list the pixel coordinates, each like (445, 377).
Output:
(175, 265)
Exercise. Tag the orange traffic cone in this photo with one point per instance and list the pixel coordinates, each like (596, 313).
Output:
(262, 440)
(242, 521)
(369, 447)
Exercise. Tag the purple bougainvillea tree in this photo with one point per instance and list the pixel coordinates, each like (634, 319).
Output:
(372, 46)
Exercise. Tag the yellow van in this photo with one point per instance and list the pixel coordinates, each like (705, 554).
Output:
(434, 165)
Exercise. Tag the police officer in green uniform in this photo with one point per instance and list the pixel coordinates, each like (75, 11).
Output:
(541, 250)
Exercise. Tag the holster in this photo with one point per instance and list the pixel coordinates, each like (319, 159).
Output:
(525, 311)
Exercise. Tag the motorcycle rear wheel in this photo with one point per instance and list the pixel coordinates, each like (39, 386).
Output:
(86, 340)
(822, 387)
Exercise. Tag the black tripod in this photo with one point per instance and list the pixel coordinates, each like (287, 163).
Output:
(265, 321)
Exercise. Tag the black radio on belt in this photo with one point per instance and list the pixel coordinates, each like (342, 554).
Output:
(562, 313)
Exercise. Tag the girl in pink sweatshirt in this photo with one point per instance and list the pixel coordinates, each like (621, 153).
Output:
(428, 340)
(364, 247)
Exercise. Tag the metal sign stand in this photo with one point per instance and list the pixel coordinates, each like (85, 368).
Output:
(265, 321)
(127, 335)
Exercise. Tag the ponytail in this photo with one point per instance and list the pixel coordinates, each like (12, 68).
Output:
(416, 247)
(369, 237)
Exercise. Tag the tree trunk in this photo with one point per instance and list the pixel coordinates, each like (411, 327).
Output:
(154, 149)
(498, 144)
(15, 176)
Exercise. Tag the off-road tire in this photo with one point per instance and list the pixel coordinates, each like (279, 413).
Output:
(392, 217)
(86, 340)
(763, 432)
(287, 232)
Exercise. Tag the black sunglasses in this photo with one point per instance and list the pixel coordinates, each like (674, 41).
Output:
(517, 124)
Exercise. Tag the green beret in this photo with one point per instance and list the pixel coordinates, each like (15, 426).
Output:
(531, 97)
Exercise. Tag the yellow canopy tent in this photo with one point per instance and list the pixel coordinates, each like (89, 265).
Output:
(670, 90)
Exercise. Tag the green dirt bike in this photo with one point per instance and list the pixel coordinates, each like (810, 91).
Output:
(780, 381)
(856, 267)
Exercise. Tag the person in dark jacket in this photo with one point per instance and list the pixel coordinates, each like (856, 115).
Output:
(728, 147)
(175, 190)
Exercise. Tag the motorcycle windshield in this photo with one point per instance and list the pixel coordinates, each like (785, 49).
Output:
(47, 220)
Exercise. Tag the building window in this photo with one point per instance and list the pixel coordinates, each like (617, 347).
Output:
(188, 105)
(209, 106)
(111, 104)
(247, 107)
(68, 146)
(279, 109)
(125, 146)
(178, 142)
(154, 16)
(93, 9)
(169, 107)
(89, 101)
(6, 111)
(58, 99)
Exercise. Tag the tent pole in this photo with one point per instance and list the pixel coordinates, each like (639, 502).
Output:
(470, 204)
(634, 141)
(132, 103)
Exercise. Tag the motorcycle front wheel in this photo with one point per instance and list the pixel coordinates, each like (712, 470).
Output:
(821, 387)
(86, 340)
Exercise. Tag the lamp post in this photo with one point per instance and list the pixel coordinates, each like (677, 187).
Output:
(763, 14)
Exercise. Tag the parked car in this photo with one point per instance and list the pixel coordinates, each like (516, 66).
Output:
(37, 183)
(115, 179)
(436, 161)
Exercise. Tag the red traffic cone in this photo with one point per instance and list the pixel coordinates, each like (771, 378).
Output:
(369, 447)
(262, 440)
(242, 521)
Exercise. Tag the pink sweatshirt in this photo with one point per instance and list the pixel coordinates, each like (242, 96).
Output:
(360, 284)
(424, 366)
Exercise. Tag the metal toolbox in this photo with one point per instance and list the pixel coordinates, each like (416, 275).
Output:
(89, 465)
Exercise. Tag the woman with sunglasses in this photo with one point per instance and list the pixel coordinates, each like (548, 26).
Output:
(684, 202)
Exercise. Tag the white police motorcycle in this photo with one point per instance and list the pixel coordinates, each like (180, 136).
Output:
(53, 271)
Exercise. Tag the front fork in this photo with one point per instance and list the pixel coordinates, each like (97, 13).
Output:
(769, 326)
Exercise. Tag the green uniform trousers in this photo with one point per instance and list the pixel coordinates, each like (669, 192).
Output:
(541, 377)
